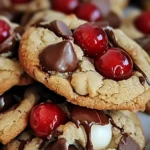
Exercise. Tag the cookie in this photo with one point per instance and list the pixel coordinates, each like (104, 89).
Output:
(11, 71)
(117, 130)
(128, 26)
(81, 83)
(26, 5)
(119, 6)
(122, 119)
(144, 42)
(25, 141)
(14, 114)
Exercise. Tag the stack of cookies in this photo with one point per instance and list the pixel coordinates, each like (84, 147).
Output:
(71, 79)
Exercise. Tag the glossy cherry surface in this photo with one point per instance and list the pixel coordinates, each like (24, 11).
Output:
(4, 30)
(91, 38)
(89, 12)
(142, 22)
(114, 64)
(65, 6)
(46, 117)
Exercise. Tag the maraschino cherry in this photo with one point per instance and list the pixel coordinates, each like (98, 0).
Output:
(4, 30)
(20, 1)
(89, 12)
(115, 64)
(91, 38)
(46, 117)
(142, 22)
(65, 6)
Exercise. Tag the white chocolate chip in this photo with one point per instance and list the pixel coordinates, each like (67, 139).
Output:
(101, 136)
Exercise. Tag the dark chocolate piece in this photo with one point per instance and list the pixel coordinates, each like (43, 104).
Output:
(60, 29)
(88, 117)
(144, 42)
(127, 143)
(59, 57)
(60, 144)
(142, 80)
(12, 43)
(6, 101)
(113, 20)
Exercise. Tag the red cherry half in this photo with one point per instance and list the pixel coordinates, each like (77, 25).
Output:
(142, 22)
(4, 30)
(114, 64)
(20, 1)
(91, 38)
(46, 117)
(89, 12)
(65, 6)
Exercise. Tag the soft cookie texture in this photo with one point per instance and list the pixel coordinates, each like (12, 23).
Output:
(15, 120)
(93, 91)
(11, 72)
(32, 144)
(123, 119)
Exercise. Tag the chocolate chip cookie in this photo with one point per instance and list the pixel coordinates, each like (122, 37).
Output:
(14, 111)
(118, 130)
(11, 71)
(76, 60)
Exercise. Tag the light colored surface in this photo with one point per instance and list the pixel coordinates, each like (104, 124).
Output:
(145, 119)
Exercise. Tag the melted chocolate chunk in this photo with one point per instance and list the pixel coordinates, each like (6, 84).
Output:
(59, 57)
(60, 29)
(12, 43)
(127, 143)
(6, 101)
(113, 20)
(88, 117)
(144, 42)
(60, 144)
(142, 80)
(22, 144)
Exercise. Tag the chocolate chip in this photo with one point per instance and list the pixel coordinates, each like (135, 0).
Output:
(113, 20)
(59, 57)
(82, 114)
(127, 143)
(12, 43)
(144, 42)
(60, 29)
(6, 101)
